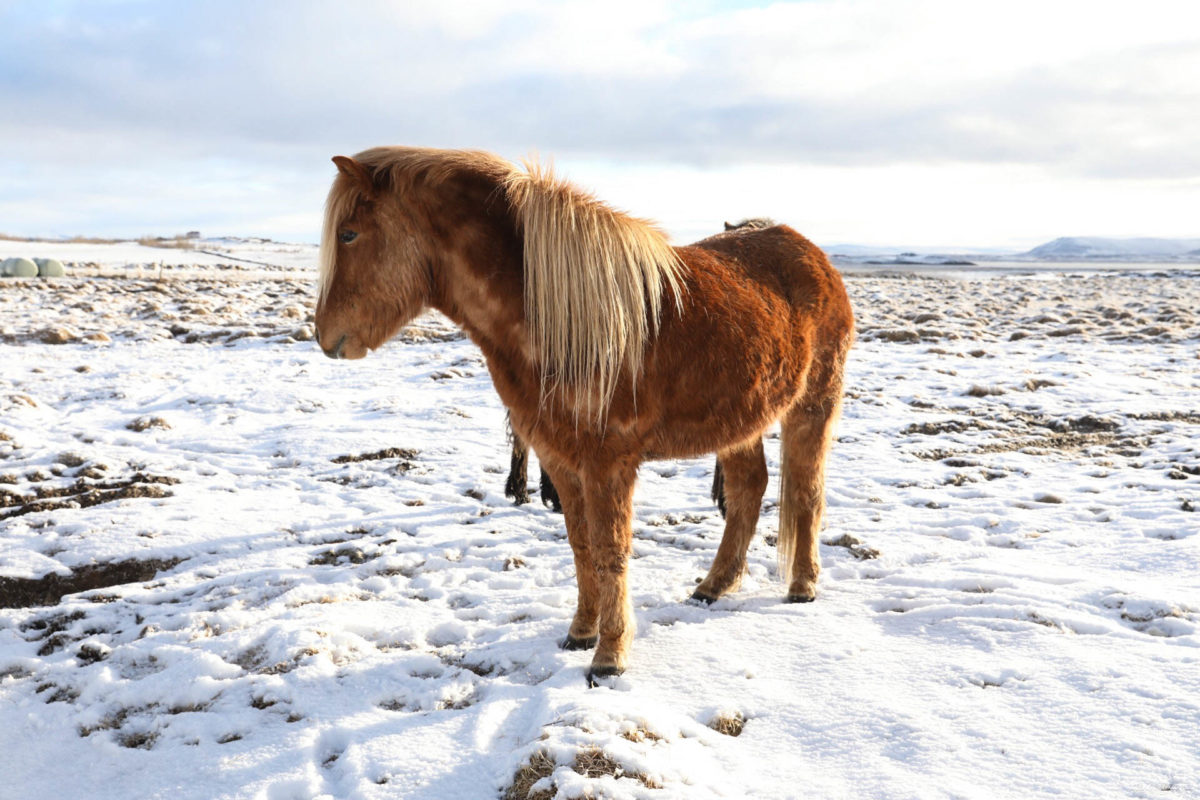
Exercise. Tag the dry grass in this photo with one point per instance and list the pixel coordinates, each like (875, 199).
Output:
(541, 765)
(72, 240)
(591, 762)
(641, 735)
(728, 723)
(173, 243)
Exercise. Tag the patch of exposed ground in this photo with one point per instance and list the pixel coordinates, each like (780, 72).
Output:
(402, 453)
(83, 494)
(1114, 308)
(590, 762)
(50, 589)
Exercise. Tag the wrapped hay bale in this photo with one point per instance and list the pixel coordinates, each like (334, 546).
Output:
(18, 268)
(50, 267)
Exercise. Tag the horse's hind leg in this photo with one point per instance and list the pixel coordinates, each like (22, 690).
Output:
(549, 492)
(806, 435)
(516, 487)
(745, 472)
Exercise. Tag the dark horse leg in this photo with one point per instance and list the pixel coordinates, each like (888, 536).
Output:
(550, 493)
(516, 487)
(745, 471)
(718, 487)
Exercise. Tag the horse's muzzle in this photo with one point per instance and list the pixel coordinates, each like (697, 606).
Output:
(336, 350)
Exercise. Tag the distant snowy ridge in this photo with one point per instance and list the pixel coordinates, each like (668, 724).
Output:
(1077, 247)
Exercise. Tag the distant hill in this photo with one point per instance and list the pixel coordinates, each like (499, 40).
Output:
(1097, 247)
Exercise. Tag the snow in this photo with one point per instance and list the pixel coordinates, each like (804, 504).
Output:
(1018, 618)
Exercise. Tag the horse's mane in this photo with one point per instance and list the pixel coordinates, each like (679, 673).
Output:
(594, 285)
(595, 278)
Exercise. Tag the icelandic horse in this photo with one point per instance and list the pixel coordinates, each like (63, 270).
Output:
(516, 485)
(608, 346)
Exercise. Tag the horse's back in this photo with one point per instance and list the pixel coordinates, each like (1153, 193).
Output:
(779, 262)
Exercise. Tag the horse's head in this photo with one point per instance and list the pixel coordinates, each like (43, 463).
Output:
(374, 263)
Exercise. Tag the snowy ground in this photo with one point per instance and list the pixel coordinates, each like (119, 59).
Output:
(287, 577)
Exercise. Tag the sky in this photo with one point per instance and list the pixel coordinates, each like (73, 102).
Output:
(917, 123)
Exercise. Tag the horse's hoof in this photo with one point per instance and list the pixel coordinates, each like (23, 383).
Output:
(700, 597)
(800, 598)
(595, 673)
(581, 643)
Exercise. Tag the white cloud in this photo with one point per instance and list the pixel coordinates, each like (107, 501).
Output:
(1095, 94)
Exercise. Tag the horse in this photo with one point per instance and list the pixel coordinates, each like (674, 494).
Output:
(608, 346)
(516, 486)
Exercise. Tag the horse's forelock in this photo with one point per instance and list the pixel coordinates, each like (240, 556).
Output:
(339, 205)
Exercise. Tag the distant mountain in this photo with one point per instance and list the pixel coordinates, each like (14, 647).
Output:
(1097, 247)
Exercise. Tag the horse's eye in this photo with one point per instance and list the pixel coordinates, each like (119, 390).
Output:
(347, 236)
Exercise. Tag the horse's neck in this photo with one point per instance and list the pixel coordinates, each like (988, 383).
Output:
(479, 286)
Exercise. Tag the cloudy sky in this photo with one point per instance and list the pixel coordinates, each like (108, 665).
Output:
(906, 122)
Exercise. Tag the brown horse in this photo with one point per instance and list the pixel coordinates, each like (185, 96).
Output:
(608, 346)
(516, 486)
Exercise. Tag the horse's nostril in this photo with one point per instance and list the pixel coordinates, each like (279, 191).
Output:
(336, 350)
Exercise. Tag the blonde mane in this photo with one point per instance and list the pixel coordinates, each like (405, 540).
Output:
(594, 285)
(595, 278)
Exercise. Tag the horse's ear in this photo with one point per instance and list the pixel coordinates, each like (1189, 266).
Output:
(729, 227)
(357, 173)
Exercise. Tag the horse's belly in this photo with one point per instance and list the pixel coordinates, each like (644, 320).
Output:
(719, 405)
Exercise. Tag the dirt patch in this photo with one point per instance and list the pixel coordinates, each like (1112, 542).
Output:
(146, 423)
(344, 555)
(854, 545)
(50, 589)
(83, 494)
(405, 454)
(1190, 417)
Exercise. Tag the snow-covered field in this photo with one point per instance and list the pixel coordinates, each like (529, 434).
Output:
(230, 567)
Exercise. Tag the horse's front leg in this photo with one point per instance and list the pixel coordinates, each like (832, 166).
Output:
(584, 630)
(608, 503)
